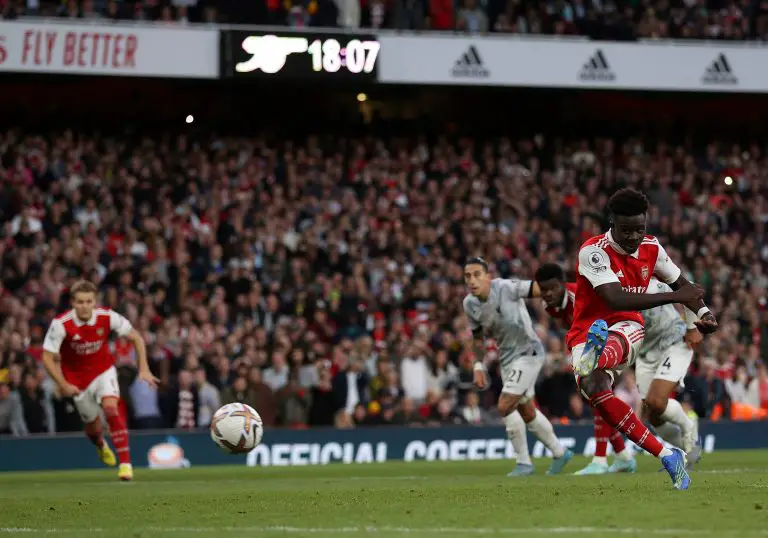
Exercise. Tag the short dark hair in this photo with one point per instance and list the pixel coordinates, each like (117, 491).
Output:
(549, 271)
(628, 202)
(477, 260)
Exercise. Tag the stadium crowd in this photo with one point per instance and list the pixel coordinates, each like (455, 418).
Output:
(598, 19)
(320, 281)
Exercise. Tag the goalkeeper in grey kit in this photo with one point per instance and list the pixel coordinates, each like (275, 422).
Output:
(496, 309)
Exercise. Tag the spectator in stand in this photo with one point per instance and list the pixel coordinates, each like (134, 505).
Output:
(414, 372)
(209, 399)
(757, 394)
(706, 390)
(324, 406)
(441, 15)
(408, 414)
(736, 385)
(443, 414)
(443, 373)
(473, 414)
(37, 408)
(185, 403)
(276, 376)
(350, 386)
(471, 18)
(293, 403)
(11, 409)
(262, 396)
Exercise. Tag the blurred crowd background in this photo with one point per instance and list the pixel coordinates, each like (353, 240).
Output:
(597, 19)
(319, 280)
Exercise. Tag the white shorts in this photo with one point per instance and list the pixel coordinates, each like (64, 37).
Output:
(669, 364)
(88, 402)
(633, 334)
(520, 375)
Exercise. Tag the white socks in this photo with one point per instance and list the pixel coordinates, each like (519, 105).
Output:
(675, 414)
(542, 428)
(518, 437)
(670, 433)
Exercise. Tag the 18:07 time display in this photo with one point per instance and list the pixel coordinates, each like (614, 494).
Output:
(301, 55)
(357, 57)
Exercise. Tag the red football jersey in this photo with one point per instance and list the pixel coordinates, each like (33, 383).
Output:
(602, 261)
(83, 345)
(564, 312)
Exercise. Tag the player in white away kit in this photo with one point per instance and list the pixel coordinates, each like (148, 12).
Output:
(662, 363)
(496, 309)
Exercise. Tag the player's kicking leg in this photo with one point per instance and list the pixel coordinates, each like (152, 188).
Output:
(119, 434)
(624, 459)
(595, 363)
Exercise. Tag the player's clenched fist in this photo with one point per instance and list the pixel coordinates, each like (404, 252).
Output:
(707, 324)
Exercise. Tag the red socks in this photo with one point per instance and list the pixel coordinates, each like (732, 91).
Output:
(617, 442)
(118, 433)
(602, 433)
(612, 355)
(619, 415)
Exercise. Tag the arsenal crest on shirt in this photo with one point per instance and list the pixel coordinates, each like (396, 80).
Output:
(644, 272)
(100, 332)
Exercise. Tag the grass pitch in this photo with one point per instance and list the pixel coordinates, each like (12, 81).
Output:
(728, 498)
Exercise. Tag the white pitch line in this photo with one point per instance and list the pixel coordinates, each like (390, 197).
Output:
(401, 530)
(729, 471)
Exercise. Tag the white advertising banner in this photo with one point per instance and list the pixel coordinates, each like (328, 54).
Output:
(513, 61)
(99, 49)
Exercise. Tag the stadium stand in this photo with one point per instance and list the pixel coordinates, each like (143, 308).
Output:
(597, 19)
(314, 274)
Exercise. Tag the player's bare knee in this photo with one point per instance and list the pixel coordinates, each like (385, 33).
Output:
(527, 410)
(507, 404)
(596, 382)
(656, 404)
(109, 405)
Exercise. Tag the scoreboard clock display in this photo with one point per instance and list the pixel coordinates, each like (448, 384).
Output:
(301, 56)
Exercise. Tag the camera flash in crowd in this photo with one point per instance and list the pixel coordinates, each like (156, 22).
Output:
(362, 98)
(190, 118)
(728, 180)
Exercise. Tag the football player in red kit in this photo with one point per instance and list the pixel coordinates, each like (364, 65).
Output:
(560, 297)
(613, 273)
(87, 369)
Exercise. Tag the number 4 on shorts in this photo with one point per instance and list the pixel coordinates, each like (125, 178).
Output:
(666, 364)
